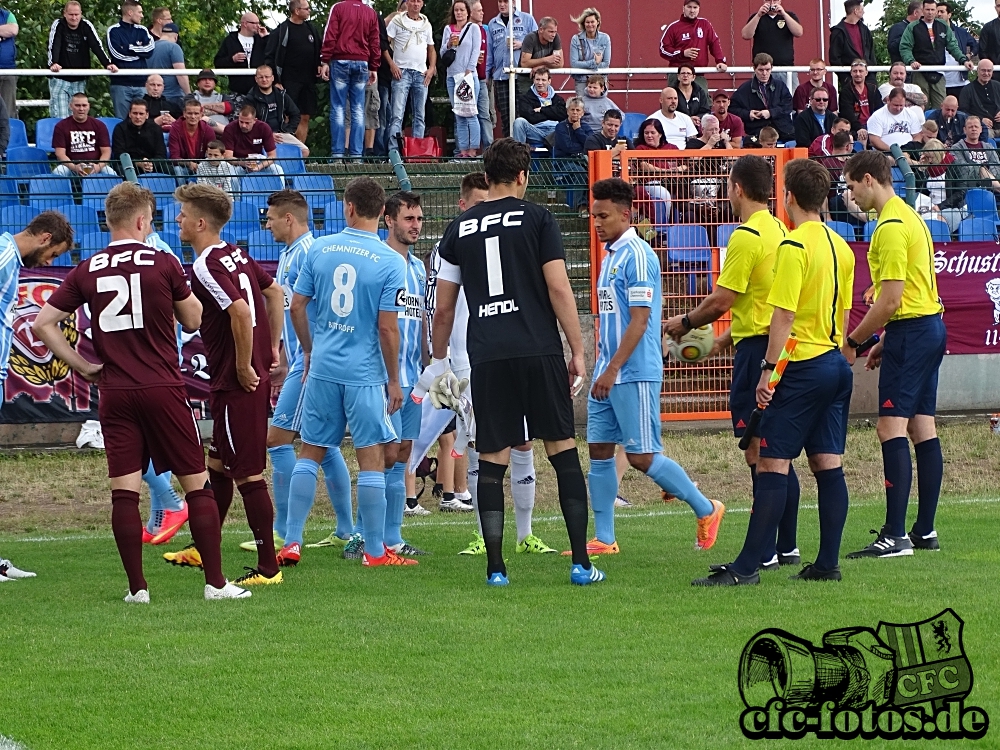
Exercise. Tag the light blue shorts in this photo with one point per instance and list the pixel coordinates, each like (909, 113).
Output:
(288, 410)
(328, 409)
(406, 421)
(630, 416)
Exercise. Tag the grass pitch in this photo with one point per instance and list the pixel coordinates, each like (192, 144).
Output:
(430, 657)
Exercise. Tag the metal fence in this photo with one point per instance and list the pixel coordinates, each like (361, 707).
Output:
(28, 186)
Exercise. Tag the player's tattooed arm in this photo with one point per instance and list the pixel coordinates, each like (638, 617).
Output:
(241, 322)
(388, 335)
(46, 327)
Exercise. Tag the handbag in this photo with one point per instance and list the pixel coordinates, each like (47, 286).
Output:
(451, 53)
(464, 104)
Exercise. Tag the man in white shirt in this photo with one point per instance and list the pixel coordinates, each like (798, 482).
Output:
(897, 80)
(895, 122)
(412, 65)
(677, 126)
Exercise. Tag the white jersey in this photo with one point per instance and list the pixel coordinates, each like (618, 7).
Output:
(458, 352)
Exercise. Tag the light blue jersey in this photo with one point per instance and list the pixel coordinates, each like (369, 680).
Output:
(289, 263)
(155, 241)
(10, 270)
(411, 321)
(352, 276)
(630, 277)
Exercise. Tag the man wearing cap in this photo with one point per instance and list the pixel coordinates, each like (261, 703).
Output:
(728, 122)
(168, 54)
(218, 108)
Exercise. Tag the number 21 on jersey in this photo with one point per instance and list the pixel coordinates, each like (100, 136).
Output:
(111, 318)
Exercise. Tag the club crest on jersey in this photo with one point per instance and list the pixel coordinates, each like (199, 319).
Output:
(471, 226)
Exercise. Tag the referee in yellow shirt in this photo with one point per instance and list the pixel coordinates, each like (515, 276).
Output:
(743, 287)
(901, 258)
(811, 297)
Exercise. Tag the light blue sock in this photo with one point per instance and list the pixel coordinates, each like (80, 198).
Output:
(338, 487)
(671, 477)
(162, 496)
(359, 524)
(395, 501)
(371, 502)
(301, 493)
(603, 482)
(282, 466)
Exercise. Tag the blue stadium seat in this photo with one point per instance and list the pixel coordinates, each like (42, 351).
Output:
(631, 123)
(169, 211)
(63, 261)
(317, 189)
(844, 229)
(16, 218)
(977, 230)
(173, 239)
(9, 193)
(688, 244)
(858, 146)
(255, 188)
(332, 218)
(18, 134)
(290, 159)
(262, 246)
(940, 232)
(725, 231)
(870, 229)
(47, 191)
(92, 242)
(981, 204)
(246, 219)
(83, 219)
(383, 234)
(228, 235)
(790, 144)
(25, 161)
(110, 123)
(43, 133)
(898, 183)
(162, 185)
(96, 188)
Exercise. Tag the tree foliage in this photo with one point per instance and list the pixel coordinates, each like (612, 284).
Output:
(894, 11)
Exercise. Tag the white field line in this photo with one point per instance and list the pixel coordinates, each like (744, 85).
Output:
(466, 519)
(8, 744)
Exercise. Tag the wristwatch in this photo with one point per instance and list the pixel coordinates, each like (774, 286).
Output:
(852, 343)
(765, 365)
(686, 322)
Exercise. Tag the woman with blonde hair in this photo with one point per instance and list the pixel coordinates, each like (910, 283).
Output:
(590, 49)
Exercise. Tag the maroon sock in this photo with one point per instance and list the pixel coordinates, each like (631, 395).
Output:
(203, 520)
(260, 516)
(126, 523)
(222, 488)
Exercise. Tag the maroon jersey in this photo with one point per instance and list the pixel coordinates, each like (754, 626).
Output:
(220, 276)
(131, 290)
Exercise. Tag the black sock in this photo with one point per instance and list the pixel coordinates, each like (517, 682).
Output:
(898, 477)
(789, 523)
(930, 468)
(832, 489)
(491, 514)
(448, 497)
(768, 504)
(572, 501)
(411, 502)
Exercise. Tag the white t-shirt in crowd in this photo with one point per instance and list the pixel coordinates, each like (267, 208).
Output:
(678, 129)
(409, 41)
(247, 43)
(896, 128)
(909, 88)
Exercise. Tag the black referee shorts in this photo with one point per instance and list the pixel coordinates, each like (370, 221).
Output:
(303, 94)
(506, 393)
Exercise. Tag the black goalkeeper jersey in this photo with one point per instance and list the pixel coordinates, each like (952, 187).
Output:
(501, 247)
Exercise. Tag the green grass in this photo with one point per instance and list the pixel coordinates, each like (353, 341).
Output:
(430, 657)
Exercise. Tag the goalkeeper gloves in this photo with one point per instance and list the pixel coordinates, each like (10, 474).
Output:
(446, 391)
(435, 368)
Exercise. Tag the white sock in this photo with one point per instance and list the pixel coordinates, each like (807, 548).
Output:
(473, 479)
(522, 484)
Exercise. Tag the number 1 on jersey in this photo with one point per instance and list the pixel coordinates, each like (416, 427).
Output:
(245, 285)
(494, 268)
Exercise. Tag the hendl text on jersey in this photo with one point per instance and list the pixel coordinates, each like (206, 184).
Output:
(498, 308)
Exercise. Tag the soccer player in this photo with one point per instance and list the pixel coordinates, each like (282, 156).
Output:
(47, 237)
(901, 259)
(351, 358)
(623, 407)
(134, 294)
(288, 220)
(508, 256)
(811, 297)
(240, 327)
(474, 190)
(743, 287)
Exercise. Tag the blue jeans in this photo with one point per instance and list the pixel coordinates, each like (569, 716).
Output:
(410, 85)
(466, 128)
(485, 125)
(523, 130)
(60, 93)
(122, 96)
(348, 79)
(382, 144)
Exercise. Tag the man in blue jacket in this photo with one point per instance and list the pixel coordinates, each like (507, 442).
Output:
(507, 23)
(130, 44)
(764, 101)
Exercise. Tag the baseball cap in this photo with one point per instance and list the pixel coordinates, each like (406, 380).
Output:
(207, 73)
(171, 28)
(720, 94)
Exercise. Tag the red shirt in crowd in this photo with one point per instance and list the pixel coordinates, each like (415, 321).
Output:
(351, 34)
(83, 141)
(259, 140)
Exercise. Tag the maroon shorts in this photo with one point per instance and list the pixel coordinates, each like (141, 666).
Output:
(239, 432)
(150, 424)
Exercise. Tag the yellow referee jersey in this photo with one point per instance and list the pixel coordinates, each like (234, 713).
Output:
(814, 278)
(749, 271)
(901, 249)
